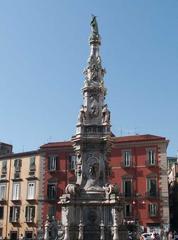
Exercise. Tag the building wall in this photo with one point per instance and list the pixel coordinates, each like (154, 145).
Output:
(139, 173)
(61, 176)
(19, 225)
(164, 204)
(173, 196)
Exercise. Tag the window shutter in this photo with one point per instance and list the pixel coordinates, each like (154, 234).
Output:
(57, 164)
(26, 211)
(70, 162)
(1, 212)
(33, 211)
(4, 166)
(18, 213)
(149, 209)
(48, 190)
(48, 163)
(11, 214)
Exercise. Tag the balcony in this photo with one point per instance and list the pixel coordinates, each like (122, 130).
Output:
(152, 164)
(127, 195)
(17, 176)
(131, 164)
(152, 195)
(3, 178)
(3, 201)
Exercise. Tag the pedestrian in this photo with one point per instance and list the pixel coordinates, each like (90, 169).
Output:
(170, 235)
(21, 237)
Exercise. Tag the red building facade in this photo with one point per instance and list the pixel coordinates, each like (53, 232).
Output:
(138, 164)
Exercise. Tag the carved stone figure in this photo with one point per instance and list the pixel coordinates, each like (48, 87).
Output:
(105, 115)
(94, 73)
(60, 232)
(93, 170)
(72, 189)
(81, 116)
(80, 236)
(94, 108)
(94, 26)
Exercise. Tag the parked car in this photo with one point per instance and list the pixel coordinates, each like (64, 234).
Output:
(145, 236)
(150, 236)
(175, 236)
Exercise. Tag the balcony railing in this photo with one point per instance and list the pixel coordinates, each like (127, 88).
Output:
(152, 194)
(151, 164)
(127, 195)
(17, 175)
(131, 164)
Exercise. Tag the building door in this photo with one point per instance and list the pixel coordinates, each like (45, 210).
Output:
(13, 235)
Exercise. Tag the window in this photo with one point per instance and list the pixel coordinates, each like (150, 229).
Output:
(14, 214)
(128, 210)
(32, 166)
(13, 235)
(153, 210)
(127, 187)
(16, 191)
(28, 235)
(51, 211)
(4, 167)
(1, 212)
(52, 163)
(151, 157)
(72, 162)
(30, 213)
(152, 187)
(51, 191)
(17, 165)
(127, 158)
(31, 190)
(2, 192)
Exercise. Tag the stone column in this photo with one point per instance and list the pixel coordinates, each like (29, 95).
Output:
(66, 233)
(80, 235)
(102, 235)
(115, 224)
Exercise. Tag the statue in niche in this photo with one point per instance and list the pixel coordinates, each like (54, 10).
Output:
(93, 170)
(94, 108)
(105, 115)
(94, 73)
(93, 174)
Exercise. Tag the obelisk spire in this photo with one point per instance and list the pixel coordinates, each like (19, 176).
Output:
(93, 111)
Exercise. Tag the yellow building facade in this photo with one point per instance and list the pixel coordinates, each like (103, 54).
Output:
(20, 195)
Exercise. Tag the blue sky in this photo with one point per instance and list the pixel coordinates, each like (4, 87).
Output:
(44, 49)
